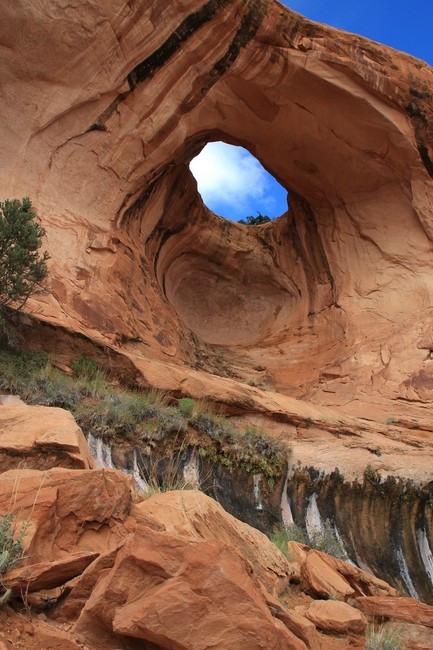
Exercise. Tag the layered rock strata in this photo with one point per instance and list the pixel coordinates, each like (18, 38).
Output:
(330, 304)
(332, 299)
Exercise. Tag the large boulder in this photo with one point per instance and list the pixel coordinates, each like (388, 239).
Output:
(181, 594)
(190, 514)
(325, 576)
(67, 510)
(41, 438)
(408, 610)
(335, 617)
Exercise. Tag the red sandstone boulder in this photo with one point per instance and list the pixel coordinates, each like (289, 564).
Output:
(47, 575)
(399, 609)
(191, 514)
(67, 510)
(295, 622)
(78, 591)
(321, 579)
(326, 576)
(181, 594)
(41, 437)
(335, 617)
(362, 582)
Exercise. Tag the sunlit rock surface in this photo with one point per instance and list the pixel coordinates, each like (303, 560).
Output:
(332, 299)
(104, 105)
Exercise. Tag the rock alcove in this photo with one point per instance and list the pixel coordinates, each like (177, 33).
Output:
(332, 298)
(224, 285)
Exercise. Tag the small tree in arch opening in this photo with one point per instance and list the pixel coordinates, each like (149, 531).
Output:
(23, 270)
(255, 221)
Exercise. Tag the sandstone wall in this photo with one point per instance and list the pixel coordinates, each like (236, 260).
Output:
(104, 105)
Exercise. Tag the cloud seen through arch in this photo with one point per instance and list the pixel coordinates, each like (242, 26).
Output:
(234, 184)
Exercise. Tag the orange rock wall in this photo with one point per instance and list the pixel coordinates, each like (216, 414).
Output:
(103, 106)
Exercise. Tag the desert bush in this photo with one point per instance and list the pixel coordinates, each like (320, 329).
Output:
(255, 221)
(165, 474)
(84, 367)
(186, 406)
(289, 533)
(216, 426)
(384, 637)
(11, 548)
(325, 540)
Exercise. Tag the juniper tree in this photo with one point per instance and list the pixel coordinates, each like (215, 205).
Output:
(23, 269)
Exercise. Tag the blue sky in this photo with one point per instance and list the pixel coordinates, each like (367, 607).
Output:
(405, 26)
(233, 183)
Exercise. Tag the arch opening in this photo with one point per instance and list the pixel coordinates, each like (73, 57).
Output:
(235, 185)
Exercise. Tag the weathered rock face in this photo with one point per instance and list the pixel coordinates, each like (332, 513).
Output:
(330, 303)
(103, 570)
(334, 296)
(41, 437)
(84, 510)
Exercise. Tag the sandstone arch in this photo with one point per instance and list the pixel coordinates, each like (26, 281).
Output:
(334, 299)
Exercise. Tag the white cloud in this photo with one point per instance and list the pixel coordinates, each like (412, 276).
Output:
(230, 177)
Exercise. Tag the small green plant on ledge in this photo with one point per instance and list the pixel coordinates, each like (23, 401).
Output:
(372, 475)
(84, 367)
(186, 406)
(324, 540)
(11, 548)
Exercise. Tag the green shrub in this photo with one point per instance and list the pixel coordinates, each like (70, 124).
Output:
(217, 427)
(186, 406)
(22, 363)
(84, 367)
(372, 475)
(325, 540)
(289, 533)
(384, 637)
(255, 221)
(11, 548)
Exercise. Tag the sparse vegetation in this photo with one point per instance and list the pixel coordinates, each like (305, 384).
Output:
(384, 637)
(325, 540)
(11, 548)
(289, 533)
(372, 475)
(84, 367)
(186, 406)
(138, 417)
(255, 221)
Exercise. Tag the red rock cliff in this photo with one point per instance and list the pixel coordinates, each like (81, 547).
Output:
(104, 104)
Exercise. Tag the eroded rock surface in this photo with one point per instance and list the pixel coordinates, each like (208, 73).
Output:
(332, 299)
(42, 437)
(330, 303)
(192, 515)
